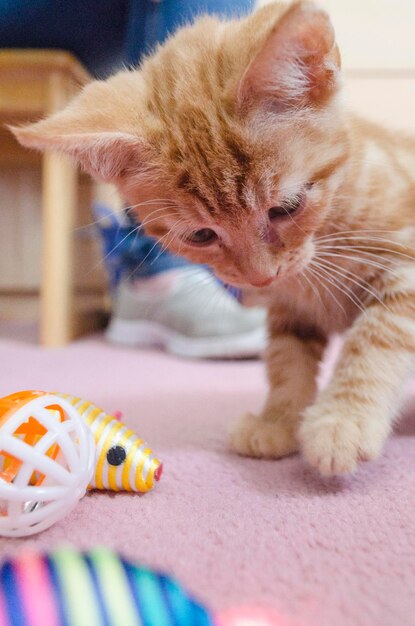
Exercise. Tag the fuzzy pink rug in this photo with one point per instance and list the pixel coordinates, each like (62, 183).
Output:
(235, 531)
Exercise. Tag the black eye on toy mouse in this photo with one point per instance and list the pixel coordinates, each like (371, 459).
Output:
(116, 455)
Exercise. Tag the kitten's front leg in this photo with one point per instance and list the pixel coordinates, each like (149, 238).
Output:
(353, 416)
(292, 365)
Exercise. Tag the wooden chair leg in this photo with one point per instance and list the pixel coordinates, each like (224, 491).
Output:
(59, 198)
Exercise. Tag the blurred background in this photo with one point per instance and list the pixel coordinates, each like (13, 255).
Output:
(378, 52)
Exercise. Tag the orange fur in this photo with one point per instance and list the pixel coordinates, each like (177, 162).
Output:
(221, 124)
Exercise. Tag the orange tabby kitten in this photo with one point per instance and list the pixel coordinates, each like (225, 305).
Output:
(233, 142)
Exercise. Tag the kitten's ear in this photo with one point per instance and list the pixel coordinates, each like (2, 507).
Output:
(92, 130)
(298, 65)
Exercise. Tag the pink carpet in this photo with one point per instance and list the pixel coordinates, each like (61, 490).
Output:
(235, 531)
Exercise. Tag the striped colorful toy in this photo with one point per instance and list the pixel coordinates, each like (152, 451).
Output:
(98, 588)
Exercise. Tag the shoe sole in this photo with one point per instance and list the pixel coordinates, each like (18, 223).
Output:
(145, 334)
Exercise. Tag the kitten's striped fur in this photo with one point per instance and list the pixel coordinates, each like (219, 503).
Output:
(224, 122)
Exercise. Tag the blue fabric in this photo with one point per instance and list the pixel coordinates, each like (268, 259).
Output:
(94, 30)
(104, 34)
(129, 254)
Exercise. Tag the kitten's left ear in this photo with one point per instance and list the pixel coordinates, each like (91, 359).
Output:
(298, 65)
(94, 130)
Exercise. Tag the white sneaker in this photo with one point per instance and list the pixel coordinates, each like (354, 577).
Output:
(188, 313)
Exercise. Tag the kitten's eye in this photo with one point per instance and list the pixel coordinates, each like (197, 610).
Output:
(202, 237)
(286, 208)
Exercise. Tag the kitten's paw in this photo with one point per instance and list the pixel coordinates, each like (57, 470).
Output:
(334, 441)
(252, 436)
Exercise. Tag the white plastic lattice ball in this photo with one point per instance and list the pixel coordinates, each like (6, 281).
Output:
(47, 459)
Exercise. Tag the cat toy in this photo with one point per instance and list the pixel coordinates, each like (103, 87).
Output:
(123, 461)
(53, 447)
(99, 588)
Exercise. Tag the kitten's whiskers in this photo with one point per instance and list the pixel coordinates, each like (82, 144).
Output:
(353, 278)
(320, 277)
(337, 284)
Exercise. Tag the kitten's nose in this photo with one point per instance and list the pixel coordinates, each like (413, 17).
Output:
(264, 282)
